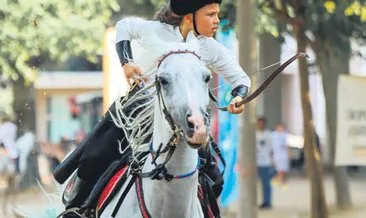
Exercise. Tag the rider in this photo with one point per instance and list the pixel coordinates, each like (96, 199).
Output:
(181, 21)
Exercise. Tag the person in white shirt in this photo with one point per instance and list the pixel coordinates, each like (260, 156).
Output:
(180, 22)
(264, 161)
(280, 153)
(8, 135)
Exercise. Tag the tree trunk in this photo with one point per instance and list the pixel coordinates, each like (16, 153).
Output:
(24, 104)
(270, 53)
(247, 150)
(333, 63)
(312, 157)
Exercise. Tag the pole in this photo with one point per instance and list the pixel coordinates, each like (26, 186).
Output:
(247, 169)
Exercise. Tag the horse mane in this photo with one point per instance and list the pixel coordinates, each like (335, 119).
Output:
(134, 114)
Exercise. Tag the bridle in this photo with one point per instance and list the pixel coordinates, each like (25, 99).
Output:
(160, 170)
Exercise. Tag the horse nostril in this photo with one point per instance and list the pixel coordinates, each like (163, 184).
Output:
(191, 125)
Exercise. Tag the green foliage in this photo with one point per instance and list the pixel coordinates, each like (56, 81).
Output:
(267, 24)
(264, 22)
(56, 29)
(143, 8)
(334, 20)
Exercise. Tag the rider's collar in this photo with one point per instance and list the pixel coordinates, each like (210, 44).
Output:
(190, 35)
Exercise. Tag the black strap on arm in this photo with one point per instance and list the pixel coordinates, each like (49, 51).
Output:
(124, 51)
(241, 91)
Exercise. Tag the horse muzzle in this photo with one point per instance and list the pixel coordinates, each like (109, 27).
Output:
(196, 131)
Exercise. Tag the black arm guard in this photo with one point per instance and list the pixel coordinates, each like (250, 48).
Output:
(241, 91)
(124, 51)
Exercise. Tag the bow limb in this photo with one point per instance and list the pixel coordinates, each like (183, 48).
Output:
(269, 79)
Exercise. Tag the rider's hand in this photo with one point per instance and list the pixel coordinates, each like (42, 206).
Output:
(132, 71)
(235, 110)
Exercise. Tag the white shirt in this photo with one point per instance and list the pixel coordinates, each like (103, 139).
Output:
(264, 148)
(8, 134)
(280, 150)
(152, 34)
(25, 144)
(279, 144)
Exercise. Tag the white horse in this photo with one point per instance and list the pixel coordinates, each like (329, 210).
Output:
(182, 91)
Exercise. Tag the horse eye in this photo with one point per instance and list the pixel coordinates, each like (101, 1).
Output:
(163, 81)
(207, 78)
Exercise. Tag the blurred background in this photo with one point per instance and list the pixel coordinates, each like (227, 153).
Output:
(59, 73)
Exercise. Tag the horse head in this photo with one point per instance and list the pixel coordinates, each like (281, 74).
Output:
(183, 91)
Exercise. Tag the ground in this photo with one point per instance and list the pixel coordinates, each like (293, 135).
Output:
(292, 202)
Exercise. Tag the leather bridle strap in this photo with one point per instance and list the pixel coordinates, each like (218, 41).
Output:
(160, 171)
(140, 197)
(124, 194)
(167, 115)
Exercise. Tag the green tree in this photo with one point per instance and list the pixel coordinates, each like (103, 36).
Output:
(325, 26)
(143, 8)
(341, 22)
(33, 31)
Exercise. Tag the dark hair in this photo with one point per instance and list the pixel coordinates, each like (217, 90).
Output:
(166, 15)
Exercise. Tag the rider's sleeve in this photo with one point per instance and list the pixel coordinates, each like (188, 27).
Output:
(223, 62)
(129, 28)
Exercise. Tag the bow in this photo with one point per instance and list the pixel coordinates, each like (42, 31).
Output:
(265, 84)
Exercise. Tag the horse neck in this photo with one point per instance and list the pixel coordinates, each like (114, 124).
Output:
(179, 196)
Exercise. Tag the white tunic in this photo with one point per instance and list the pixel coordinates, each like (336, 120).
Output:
(280, 151)
(264, 148)
(153, 35)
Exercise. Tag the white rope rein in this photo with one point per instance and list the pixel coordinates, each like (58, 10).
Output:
(135, 116)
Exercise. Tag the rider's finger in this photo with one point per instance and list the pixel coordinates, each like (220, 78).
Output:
(139, 75)
(129, 82)
(138, 71)
(230, 108)
(238, 110)
(136, 79)
(128, 78)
